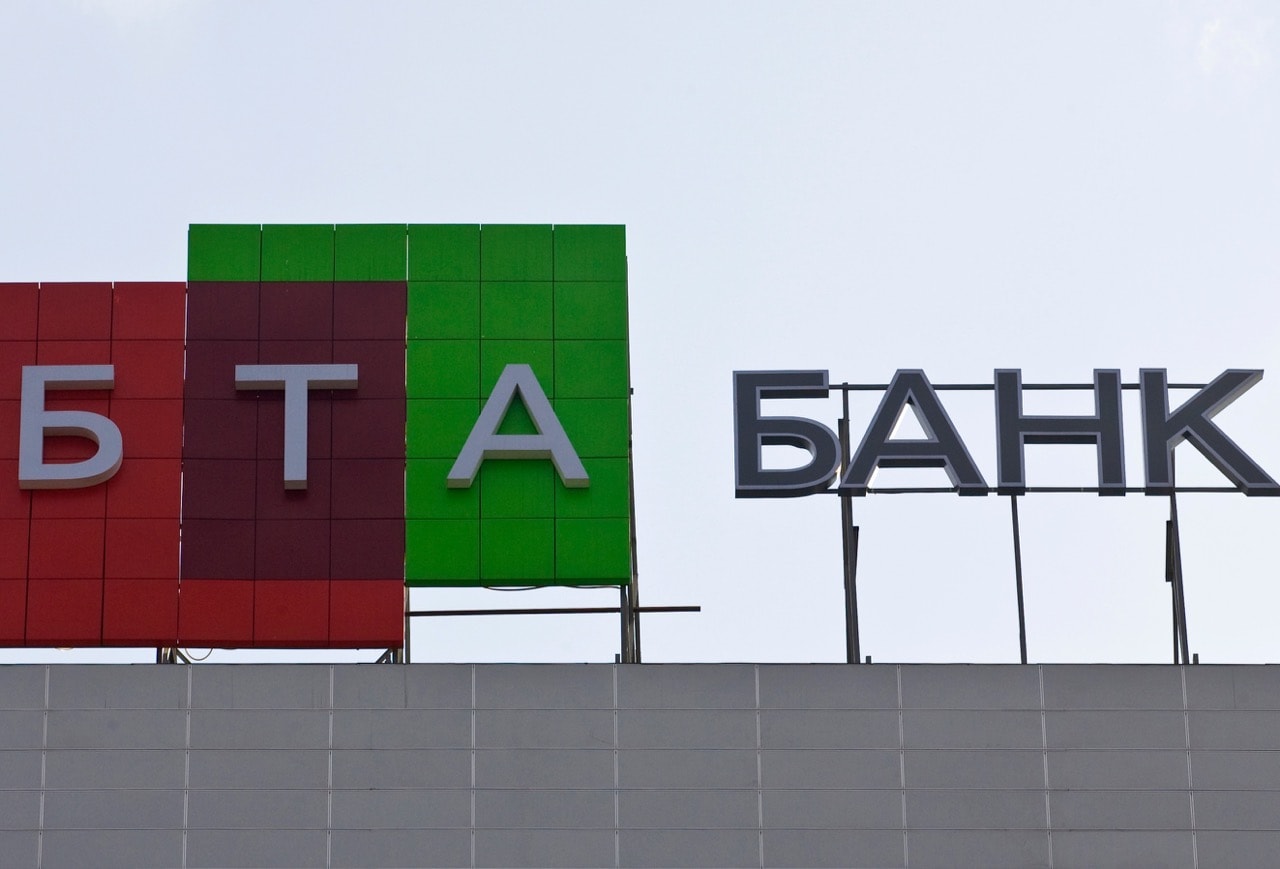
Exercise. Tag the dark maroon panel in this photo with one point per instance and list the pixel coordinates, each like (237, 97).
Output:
(220, 429)
(293, 549)
(296, 310)
(219, 488)
(372, 428)
(276, 502)
(369, 310)
(367, 549)
(368, 489)
(381, 366)
(217, 548)
(222, 311)
(211, 367)
(295, 353)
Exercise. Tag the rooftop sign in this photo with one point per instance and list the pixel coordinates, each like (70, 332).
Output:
(267, 454)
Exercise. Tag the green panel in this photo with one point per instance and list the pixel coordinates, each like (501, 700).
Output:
(591, 369)
(444, 252)
(597, 427)
(224, 252)
(517, 421)
(515, 253)
(519, 550)
(370, 252)
(591, 309)
(444, 309)
(591, 253)
(443, 369)
(516, 310)
(518, 489)
(593, 549)
(426, 495)
(436, 428)
(497, 355)
(609, 494)
(442, 551)
(297, 253)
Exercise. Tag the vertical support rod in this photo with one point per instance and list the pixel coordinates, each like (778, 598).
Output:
(633, 598)
(404, 653)
(1168, 577)
(1179, 590)
(849, 539)
(1017, 574)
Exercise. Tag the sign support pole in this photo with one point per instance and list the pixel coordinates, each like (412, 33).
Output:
(1017, 573)
(849, 537)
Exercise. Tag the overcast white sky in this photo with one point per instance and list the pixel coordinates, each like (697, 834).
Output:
(856, 187)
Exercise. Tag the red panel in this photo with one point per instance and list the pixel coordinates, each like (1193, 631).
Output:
(368, 489)
(147, 369)
(294, 353)
(66, 548)
(219, 488)
(217, 429)
(19, 303)
(292, 549)
(149, 310)
(371, 428)
(140, 612)
(10, 421)
(215, 612)
(211, 367)
(87, 503)
(73, 353)
(146, 489)
(367, 549)
(15, 503)
(13, 612)
(277, 502)
(217, 548)
(381, 366)
(13, 548)
(73, 448)
(370, 310)
(222, 311)
(151, 428)
(75, 311)
(271, 425)
(295, 310)
(14, 355)
(290, 613)
(366, 613)
(142, 548)
(64, 612)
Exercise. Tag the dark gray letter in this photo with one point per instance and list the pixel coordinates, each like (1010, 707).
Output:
(752, 432)
(1103, 430)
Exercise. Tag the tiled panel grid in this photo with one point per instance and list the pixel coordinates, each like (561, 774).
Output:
(640, 765)
(481, 298)
(94, 566)
(262, 565)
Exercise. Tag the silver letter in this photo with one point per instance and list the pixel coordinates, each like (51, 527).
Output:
(1103, 430)
(38, 423)
(1162, 431)
(295, 380)
(551, 442)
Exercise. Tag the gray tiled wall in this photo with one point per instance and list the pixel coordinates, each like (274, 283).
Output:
(653, 765)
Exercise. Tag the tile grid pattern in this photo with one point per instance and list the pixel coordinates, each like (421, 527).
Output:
(697, 765)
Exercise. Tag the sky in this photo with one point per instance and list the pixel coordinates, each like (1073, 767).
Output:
(849, 187)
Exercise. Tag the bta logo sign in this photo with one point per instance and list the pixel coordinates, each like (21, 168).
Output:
(267, 454)
(942, 447)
